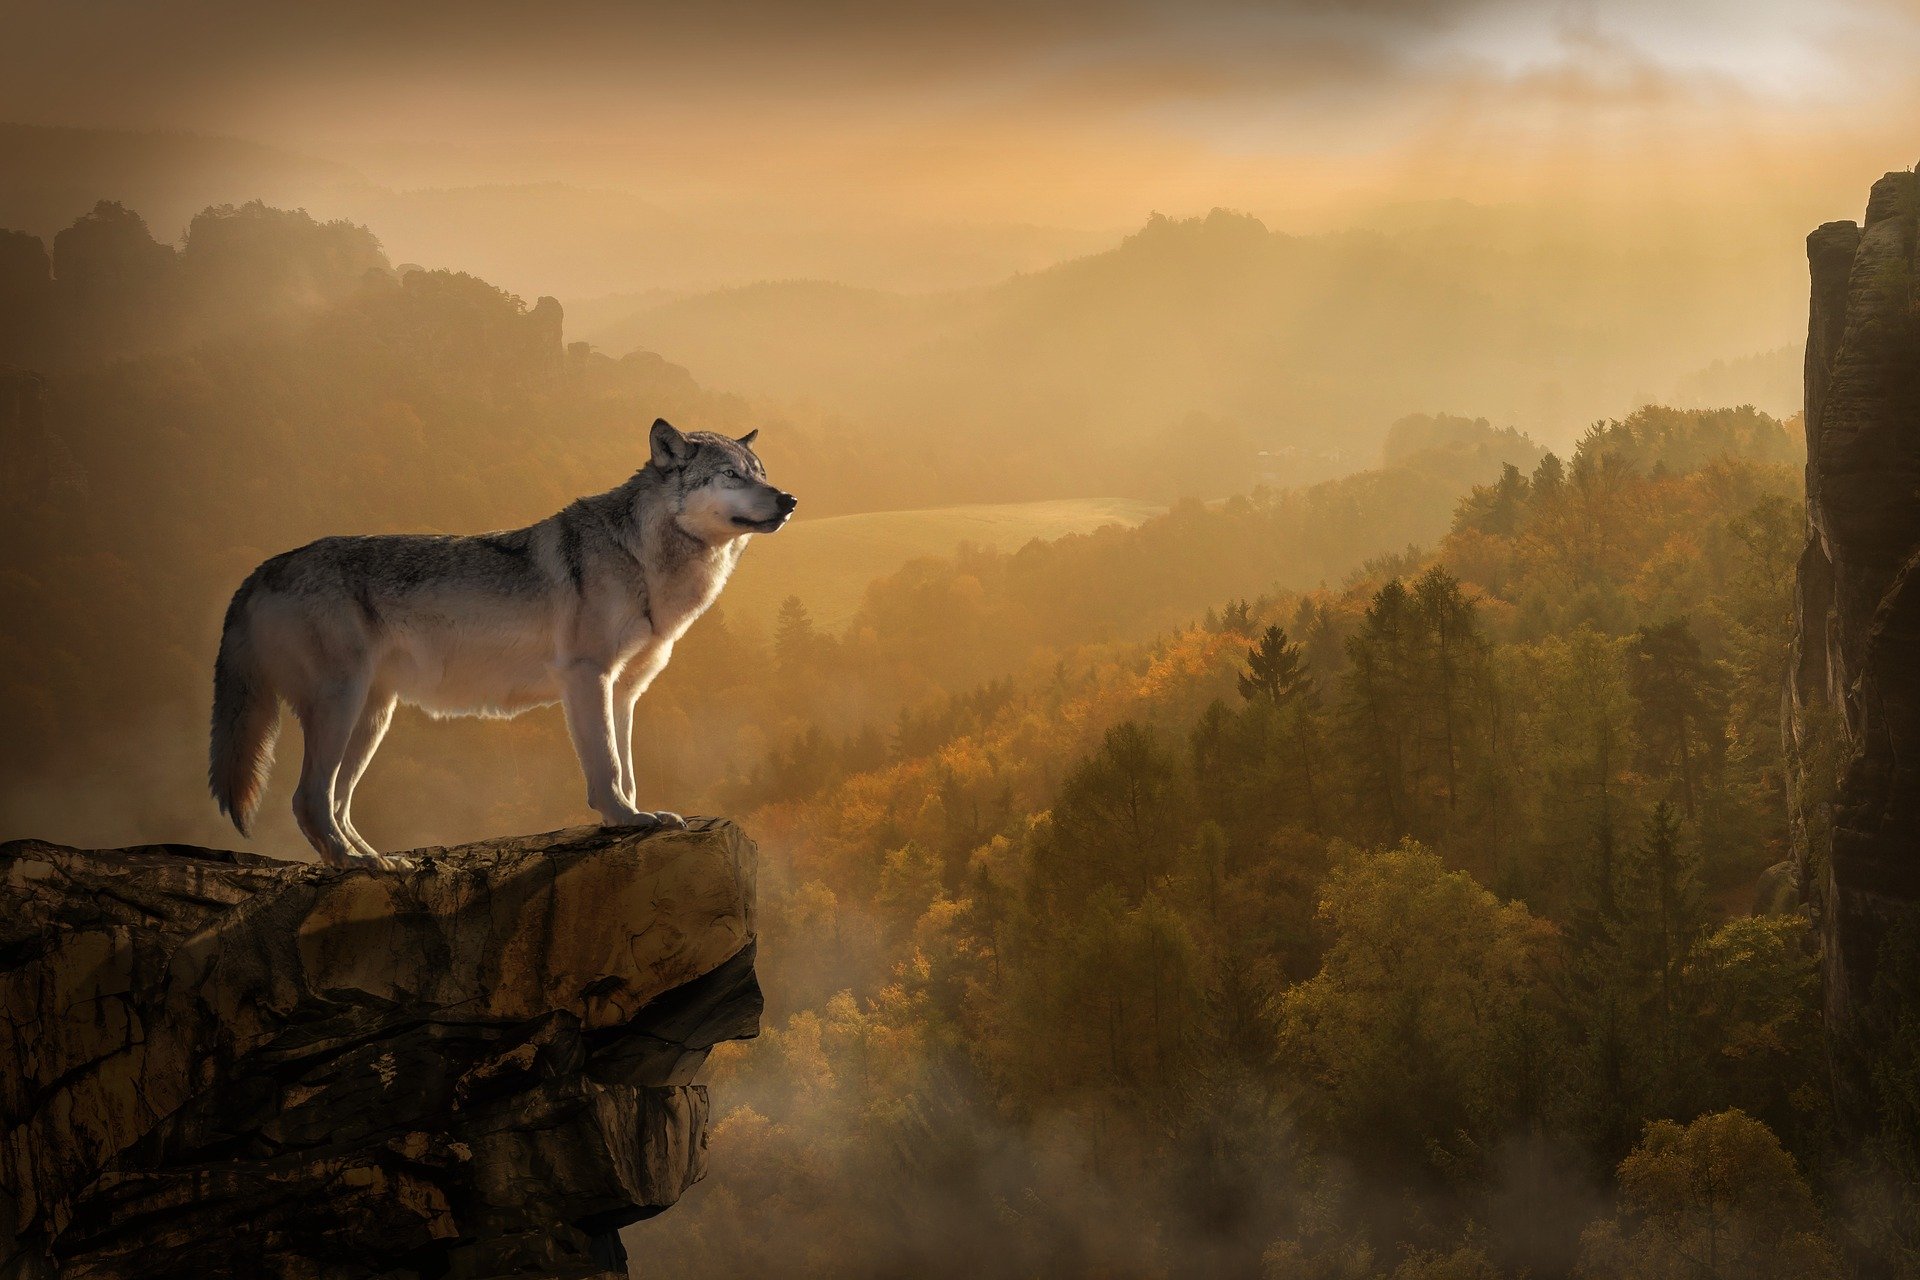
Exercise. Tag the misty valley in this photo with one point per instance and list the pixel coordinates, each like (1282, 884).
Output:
(1228, 803)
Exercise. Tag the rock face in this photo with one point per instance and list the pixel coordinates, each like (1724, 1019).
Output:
(1853, 700)
(216, 1064)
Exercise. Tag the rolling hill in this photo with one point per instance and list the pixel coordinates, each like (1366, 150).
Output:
(1291, 337)
(828, 562)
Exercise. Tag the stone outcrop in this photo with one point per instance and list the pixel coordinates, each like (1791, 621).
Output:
(215, 1064)
(1853, 700)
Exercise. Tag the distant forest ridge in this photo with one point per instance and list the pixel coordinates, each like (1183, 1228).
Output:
(183, 413)
(1036, 412)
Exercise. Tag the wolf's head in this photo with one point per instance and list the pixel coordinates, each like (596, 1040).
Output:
(717, 486)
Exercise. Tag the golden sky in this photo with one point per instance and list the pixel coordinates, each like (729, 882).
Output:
(1067, 113)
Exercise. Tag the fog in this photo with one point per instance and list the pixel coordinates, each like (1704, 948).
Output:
(947, 145)
(1367, 432)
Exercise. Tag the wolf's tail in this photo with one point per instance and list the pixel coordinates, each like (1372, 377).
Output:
(246, 718)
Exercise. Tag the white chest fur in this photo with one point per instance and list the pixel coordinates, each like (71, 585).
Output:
(677, 599)
(674, 603)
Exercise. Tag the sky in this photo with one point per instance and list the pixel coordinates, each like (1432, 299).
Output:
(1062, 112)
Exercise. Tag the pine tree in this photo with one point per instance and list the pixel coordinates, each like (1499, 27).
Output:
(1277, 677)
(1681, 709)
(1275, 671)
(1380, 700)
(794, 639)
(1453, 651)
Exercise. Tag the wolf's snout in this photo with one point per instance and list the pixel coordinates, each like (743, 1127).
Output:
(786, 502)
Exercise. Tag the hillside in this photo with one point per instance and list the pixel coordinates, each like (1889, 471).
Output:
(1291, 338)
(449, 405)
(1440, 878)
(49, 176)
(829, 562)
(552, 237)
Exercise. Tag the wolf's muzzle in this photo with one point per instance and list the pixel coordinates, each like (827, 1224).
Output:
(783, 505)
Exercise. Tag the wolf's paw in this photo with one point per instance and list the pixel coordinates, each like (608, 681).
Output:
(644, 821)
(381, 862)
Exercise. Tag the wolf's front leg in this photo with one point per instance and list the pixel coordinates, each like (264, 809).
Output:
(626, 694)
(623, 701)
(587, 695)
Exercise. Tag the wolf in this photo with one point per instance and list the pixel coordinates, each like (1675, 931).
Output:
(582, 609)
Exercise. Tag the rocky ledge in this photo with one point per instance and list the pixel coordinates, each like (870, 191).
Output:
(217, 1064)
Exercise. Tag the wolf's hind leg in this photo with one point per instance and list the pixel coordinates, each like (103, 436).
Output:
(367, 735)
(328, 721)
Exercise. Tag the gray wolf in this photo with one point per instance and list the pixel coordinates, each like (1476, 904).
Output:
(582, 609)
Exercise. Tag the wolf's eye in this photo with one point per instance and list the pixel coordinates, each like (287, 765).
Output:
(728, 473)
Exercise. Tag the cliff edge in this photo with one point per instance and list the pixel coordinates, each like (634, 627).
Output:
(1853, 696)
(216, 1064)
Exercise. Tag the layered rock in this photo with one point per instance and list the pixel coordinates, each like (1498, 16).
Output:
(216, 1064)
(1853, 701)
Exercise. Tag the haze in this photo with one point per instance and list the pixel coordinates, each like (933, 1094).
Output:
(958, 143)
(1264, 736)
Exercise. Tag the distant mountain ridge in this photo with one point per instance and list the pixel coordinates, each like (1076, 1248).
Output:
(1289, 337)
(51, 175)
(534, 236)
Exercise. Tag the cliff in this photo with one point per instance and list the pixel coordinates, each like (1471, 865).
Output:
(1853, 697)
(217, 1064)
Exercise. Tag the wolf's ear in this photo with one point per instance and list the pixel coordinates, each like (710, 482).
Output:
(749, 437)
(671, 449)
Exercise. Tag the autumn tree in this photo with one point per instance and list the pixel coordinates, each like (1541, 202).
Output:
(1498, 508)
(1755, 1020)
(1119, 819)
(1401, 1040)
(1416, 700)
(1714, 1200)
(1574, 721)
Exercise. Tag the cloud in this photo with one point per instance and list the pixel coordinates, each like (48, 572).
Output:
(1076, 111)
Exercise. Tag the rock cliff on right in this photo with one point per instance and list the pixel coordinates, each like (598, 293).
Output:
(1853, 691)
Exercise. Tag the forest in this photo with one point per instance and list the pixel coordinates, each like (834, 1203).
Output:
(1376, 876)
(1422, 925)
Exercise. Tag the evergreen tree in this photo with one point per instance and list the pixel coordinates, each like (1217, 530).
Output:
(1452, 668)
(1236, 618)
(1681, 710)
(1548, 477)
(1319, 638)
(1661, 914)
(795, 642)
(1275, 671)
(1118, 819)
(1498, 508)
(1418, 701)
(1380, 700)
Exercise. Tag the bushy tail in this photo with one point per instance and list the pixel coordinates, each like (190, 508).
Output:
(246, 719)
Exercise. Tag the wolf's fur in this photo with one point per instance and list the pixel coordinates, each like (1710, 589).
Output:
(582, 609)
